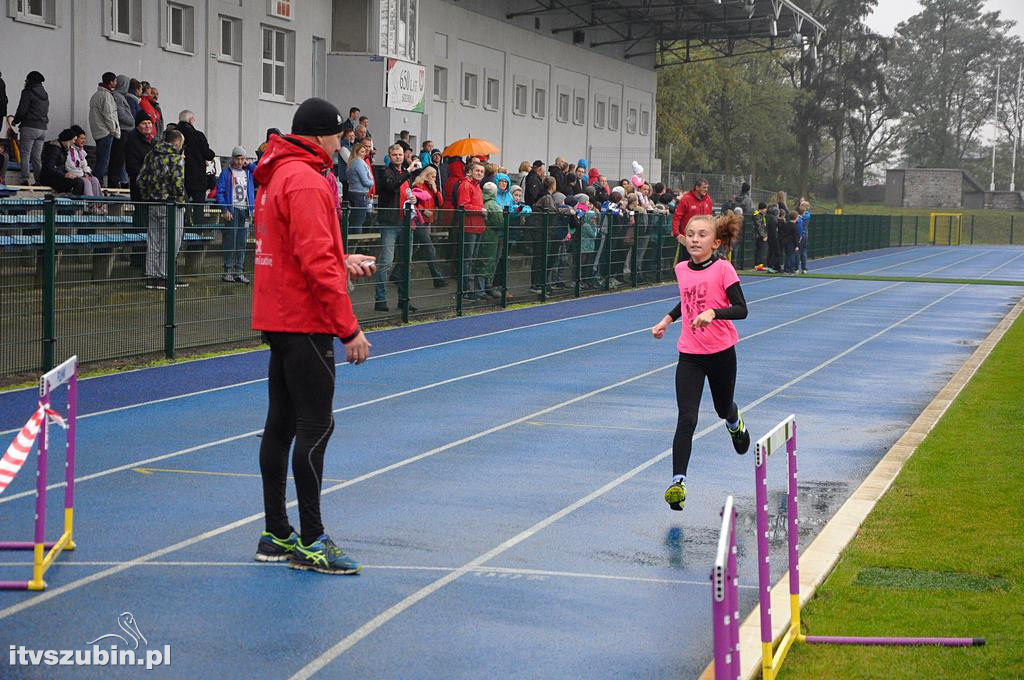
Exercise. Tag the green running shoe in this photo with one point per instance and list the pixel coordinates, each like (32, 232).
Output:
(740, 437)
(323, 556)
(274, 549)
(675, 495)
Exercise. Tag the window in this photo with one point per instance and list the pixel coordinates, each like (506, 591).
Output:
(319, 74)
(521, 94)
(600, 110)
(231, 39)
(470, 93)
(178, 31)
(579, 109)
(398, 29)
(350, 26)
(42, 12)
(562, 112)
(492, 97)
(645, 122)
(282, 9)
(276, 63)
(613, 115)
(631, 118)
(440, 83)
(125, 21)
(540, 102)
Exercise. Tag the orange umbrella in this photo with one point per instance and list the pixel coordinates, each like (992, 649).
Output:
(470, 146)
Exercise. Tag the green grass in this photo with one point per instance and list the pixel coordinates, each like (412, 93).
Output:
(907, 279)
(941, 554)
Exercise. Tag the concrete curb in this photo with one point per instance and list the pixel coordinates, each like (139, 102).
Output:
(818, 560)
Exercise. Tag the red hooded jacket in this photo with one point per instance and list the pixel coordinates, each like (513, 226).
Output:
(689, 205)
(471, 198)
(300, 285)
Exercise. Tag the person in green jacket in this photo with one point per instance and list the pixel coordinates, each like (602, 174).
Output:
(487, 255)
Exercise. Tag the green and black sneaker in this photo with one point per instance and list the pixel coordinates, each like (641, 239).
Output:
(740, 437)
(675, 495)
(323, 556)
(274, 549)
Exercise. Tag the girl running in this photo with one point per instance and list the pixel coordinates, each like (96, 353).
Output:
(710, 298)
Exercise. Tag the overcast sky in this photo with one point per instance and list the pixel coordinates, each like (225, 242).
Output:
(891, 12)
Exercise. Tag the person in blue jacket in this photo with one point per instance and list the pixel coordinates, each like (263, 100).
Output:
(235, 195)
(803, 219)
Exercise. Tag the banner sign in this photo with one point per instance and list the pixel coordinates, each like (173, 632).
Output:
(405, 86)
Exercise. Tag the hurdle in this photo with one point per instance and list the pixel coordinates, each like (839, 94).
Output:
(782, 436)
(45, 552)
(725, 613)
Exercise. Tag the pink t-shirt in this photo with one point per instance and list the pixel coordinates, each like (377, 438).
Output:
(705, 289)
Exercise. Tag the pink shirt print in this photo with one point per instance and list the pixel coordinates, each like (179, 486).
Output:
(705, 289)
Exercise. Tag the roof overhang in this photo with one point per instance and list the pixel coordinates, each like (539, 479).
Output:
(673, 31)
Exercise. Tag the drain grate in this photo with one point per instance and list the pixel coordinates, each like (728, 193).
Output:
(914, 579)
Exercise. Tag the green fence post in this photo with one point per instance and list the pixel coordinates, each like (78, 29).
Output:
(504, 258)
(949, 238)
(609, 226)
(659, 241)
(916, 226)
(972, 229)
(901, 230)
(172, 279)
(577, 253)
(545, 226)
(633, 255)
(345, 214)
(1011, 230)
(407, 262)
(49, 282)
(460, 222)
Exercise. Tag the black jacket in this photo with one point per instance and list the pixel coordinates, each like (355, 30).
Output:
(53, 158)
(34, 108)
(197, 152)
(136, 146)
(387, 190)
(534, 188)
(3, 98)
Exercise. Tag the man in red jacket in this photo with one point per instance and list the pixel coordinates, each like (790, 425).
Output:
(301, 303)
(697, 201)
(471, 199)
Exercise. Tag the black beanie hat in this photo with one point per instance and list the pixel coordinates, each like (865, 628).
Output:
(141, 116)
(34, 78)
(66, 135)
(316, 117)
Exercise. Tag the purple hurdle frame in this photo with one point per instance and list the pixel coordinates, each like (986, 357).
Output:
(784, 434)
(45, 552)
(725, 613)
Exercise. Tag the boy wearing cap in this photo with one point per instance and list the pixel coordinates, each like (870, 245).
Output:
(235, 195)
(301, 303)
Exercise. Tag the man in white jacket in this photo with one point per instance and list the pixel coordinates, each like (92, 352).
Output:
(103, 122)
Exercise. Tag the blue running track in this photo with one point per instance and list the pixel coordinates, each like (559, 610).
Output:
(499, 476)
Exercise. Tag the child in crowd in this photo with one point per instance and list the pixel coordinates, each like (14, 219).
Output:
(710, 298)
(760, 238)
(803, 219)
(790, 242)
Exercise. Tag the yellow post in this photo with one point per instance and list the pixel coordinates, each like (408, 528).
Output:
(37, 582)
(69, 522)
(839, 211)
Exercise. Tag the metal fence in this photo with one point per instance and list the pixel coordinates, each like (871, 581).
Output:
(73, 273)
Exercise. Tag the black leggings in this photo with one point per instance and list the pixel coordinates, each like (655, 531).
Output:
(720, 370)
(301, 389)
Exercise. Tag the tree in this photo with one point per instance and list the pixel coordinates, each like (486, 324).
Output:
(872, 133)
(945, 58)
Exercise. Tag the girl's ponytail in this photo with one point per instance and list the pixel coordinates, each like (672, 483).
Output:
(728, 227)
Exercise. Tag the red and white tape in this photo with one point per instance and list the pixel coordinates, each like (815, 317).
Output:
(17, 452)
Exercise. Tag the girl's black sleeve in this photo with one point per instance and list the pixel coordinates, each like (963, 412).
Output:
(738, 308)
(676, 312)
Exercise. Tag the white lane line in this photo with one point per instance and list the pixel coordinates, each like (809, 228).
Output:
(345, 364)
(1011, 260)
(482, 571)
(7, 498)
(875, 258)
(387, 615)
(47, 595)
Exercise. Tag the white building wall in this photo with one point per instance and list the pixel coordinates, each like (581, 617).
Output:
(225, 94)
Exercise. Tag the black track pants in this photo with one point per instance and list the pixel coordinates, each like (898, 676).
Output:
(720, 370)
(301, 388)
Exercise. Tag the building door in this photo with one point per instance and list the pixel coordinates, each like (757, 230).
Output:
(319, 85)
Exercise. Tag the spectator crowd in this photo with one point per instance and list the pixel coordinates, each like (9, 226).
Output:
(577, 226)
